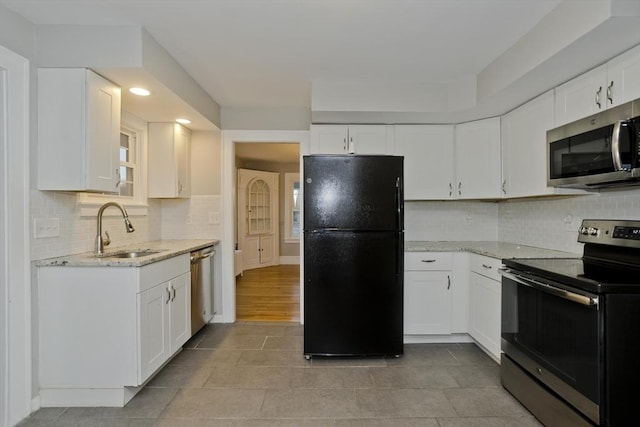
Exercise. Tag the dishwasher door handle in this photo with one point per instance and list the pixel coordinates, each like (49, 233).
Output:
(200, 256)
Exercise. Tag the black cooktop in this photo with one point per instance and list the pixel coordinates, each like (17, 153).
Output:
(591, 275)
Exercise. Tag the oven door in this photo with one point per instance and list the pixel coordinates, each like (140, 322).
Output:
(554, 334)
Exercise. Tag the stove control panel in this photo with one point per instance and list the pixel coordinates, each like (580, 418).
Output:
(610, 232)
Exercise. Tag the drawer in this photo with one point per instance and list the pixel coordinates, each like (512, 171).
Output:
(486, 266)
(151, 275)
(432, 261)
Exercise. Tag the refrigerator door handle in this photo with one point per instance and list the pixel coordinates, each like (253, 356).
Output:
(398, 204)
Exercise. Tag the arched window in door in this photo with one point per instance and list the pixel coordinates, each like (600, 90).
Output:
(258, 207)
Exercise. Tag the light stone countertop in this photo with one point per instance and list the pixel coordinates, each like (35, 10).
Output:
(491, 249)
(169, 249)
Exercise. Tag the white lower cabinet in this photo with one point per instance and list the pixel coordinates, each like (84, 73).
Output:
(258, 251)
(164, 322)
(427, 293)
(104, 331)
(485, 303)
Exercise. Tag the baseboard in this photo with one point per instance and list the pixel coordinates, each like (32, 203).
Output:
(290, 260)
(434, 339)
(217, 318)
(35, 403)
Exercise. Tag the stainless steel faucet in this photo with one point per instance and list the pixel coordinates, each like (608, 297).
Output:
(100, 243)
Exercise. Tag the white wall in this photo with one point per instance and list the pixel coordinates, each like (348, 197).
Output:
(206, 162)
(265, 118)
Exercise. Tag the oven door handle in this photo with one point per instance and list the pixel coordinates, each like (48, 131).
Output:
(550, 289)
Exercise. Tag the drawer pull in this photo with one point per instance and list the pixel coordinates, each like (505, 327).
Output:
(487, 266)
(428, 260)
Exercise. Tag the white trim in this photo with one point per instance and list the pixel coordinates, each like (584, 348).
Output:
(437, 339)
(290, 260)
(289, 179)
(15, 283)
(227, 244)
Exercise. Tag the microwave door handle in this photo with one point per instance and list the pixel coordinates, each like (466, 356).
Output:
(615, 147)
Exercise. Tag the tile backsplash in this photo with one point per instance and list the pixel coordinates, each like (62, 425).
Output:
(451, 220)
(166, 219)
(550, 223)
(553, 223)
(198, 217)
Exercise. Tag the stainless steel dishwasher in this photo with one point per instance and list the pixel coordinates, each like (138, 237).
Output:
(201, 289)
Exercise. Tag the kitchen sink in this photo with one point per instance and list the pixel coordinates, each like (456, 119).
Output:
(134, 253)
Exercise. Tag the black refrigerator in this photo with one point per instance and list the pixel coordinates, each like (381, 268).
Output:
(353, 255)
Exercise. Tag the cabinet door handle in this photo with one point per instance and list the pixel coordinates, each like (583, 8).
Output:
(460, 189)
(173, 292)
(428, 260)
(344, 144)
(598, 97)
(504, 187)
(448, 282)
(610, 93)
(487, 266)
(168, 296)
(119, 178)
(450, 189)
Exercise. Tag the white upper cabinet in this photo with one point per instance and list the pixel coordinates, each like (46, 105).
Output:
(169, 161)
(524, 145)
(445, 162)
(478, 160)
(428, 160)
(611, 84)
(78, 131)
(351, 139)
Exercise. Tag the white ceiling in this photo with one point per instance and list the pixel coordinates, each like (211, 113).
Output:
(266, 53)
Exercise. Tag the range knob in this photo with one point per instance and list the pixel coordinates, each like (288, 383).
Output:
(584, 230)
(593, 231)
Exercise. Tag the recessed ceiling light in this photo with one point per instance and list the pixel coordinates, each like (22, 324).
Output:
(139, 91)
(183, 121)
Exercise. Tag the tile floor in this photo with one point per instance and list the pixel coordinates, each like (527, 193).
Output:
(254, 374)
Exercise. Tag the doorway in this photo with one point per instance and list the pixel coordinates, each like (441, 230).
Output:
(268, 286)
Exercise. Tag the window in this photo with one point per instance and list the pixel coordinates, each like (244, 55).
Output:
(292, 204)
(127, 162)
(132, 172)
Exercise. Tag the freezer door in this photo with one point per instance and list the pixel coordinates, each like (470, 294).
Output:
(353, 192)
(353, 293)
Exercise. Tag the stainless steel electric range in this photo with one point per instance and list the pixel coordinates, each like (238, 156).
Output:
(571, 330)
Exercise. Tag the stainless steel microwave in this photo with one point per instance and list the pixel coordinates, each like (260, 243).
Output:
(602, 150)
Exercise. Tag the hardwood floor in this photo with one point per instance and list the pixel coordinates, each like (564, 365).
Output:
(269, 294)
